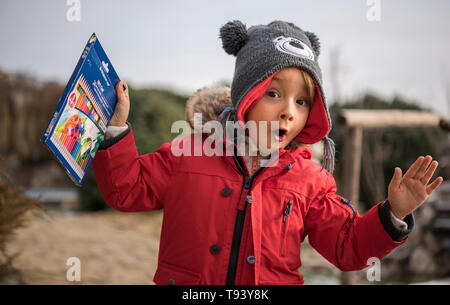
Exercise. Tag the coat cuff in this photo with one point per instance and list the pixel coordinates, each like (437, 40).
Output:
(110, 141)
(398, 222)
(397, 233)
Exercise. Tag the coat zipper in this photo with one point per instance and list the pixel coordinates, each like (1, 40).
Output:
(287, 212)
(239, 224)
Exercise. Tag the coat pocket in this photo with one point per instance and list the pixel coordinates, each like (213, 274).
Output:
(285, 226)
(171, 275)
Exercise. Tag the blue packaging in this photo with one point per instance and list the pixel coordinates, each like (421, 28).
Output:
(79, 122)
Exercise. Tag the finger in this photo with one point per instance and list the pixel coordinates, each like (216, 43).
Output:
(421, 171)
(412, 170)
(119, 91)
(396, 178)
(119, 87)
(429, 173)
(434, 185)
(125, 88)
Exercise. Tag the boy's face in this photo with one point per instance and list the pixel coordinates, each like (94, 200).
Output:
(285, 102)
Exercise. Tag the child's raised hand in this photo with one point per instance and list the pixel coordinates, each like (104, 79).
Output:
(407, 193)
(122, 109)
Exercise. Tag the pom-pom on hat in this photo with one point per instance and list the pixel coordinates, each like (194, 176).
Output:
(261, 51)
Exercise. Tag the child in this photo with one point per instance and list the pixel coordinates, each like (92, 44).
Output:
(228, 219)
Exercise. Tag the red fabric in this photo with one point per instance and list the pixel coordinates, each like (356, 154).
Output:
(199, 213)
(317, 125)
(252, 97)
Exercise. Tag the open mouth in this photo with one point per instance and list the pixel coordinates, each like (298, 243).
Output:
(281, 134)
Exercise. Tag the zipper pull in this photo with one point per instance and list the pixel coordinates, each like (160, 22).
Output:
(247, 182)
(287, 212)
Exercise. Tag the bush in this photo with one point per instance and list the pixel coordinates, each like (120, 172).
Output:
(89, 197)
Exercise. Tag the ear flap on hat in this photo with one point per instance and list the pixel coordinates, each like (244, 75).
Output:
(234, 36)
(315, 44)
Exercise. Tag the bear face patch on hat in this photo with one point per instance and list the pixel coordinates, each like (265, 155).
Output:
(293, 46)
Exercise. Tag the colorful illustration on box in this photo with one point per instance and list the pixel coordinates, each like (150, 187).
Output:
(77, 128)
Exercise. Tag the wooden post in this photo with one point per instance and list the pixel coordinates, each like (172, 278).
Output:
(350, 177)
(352, 164)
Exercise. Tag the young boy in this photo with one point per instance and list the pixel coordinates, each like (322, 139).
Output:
(230, 219)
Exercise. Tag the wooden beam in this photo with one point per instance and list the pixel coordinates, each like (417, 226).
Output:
(388, 118)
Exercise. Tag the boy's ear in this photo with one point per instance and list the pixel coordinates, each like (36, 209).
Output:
(234, 36)
(315, 43)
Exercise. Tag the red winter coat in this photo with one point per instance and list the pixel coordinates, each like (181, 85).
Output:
(206, 200)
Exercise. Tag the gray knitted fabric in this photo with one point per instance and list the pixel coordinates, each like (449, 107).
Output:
(261, 51)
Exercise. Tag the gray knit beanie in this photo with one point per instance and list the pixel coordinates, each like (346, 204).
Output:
(263, 50)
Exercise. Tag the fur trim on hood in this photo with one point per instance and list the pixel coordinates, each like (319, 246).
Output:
(206, 101)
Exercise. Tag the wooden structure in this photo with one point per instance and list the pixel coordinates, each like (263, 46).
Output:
(355, 120)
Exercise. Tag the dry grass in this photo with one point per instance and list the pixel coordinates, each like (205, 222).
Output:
(14, 206)
(113, 248)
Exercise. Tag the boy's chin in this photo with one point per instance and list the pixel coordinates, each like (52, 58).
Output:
(266, 150)
(279, 145)
(274, 149)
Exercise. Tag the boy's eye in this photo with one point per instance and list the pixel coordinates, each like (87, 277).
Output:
(272, 94)
(301, 102)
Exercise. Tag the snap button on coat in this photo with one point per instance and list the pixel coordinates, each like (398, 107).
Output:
(251, 259)
(226, 191)
(214, 249)
(171, 282)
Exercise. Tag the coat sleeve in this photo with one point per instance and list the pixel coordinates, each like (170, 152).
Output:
(129, 182)
(341, 235)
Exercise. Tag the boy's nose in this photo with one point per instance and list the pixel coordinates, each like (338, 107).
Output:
(287, 112)
(286, 116)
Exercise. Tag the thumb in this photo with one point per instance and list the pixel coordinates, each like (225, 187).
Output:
(121, 90)
(396, 178)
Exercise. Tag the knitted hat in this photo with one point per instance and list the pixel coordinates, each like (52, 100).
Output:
(261, 51)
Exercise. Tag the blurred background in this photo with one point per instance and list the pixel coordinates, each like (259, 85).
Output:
(374, 55)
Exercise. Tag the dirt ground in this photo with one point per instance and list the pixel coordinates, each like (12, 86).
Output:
(113, 248)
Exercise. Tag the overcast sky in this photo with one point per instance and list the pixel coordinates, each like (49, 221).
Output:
(175, 44)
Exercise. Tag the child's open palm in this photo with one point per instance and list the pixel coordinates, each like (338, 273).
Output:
(407, 193)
